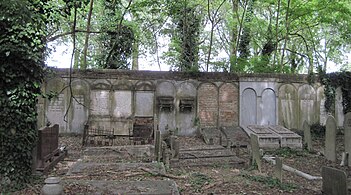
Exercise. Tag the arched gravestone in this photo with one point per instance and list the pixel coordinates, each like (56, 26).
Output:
(79, 111)
(57, 106)
(268, 115)
(248, 108)
(330, 139)
(165, 95)
(228, 105)
(288, 106)
(208, 104)
(144, 99)
(339, 113)
(307, 111)
(323, 115)
(185, 116)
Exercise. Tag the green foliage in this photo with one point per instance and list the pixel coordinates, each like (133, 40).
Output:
(331, 82)
(271, 182)
(22, 32)
(287, 152)
(198, 180)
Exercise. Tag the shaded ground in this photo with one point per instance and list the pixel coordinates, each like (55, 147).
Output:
(217, 179)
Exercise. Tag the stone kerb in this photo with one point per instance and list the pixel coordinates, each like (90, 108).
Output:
(347, 132)
(330, 139)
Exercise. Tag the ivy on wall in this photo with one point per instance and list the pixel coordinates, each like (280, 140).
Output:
(22, 28)
(331, 82)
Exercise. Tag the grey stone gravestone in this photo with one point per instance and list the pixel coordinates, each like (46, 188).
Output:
(278, 169)
(347, 132)
(268, 116)
(330, 139)
(307, 135)
(256, 157)
(248, 108)
(334, 181)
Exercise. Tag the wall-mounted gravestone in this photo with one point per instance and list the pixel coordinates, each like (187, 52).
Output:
(122, 104)
(165, 92)
(339, 113)
(323, 115)
(57, 106)
(307, 97)
(100, 99)
(287, 106)
(228, 105)
(79, 111)
(248, 108)
(347, 132)
(144, 103)
(330, 139)
(208, 104)
(268, 114)
(185, 116)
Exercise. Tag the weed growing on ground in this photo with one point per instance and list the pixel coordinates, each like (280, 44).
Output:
(271, 182)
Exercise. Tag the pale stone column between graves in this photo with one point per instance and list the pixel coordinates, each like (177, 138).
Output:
(256, 157)
(347, 133)
(307, 135)
(330, 139)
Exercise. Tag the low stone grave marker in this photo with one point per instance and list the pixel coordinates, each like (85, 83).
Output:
(330, 139)
(334, 181)
(256, 157)
(347, 132)
(278, 169)
(307, 135)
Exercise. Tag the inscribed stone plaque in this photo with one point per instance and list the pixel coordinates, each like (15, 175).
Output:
(268, 107)
(100, 102)
(307, 135)
(307, 97)
(256, 157)
(144, 105)
(122, 105)
(347, 132)
(248, 108)
(334, 181)
(288, 106)
(330, 139)
(79, 114)
(56, 111)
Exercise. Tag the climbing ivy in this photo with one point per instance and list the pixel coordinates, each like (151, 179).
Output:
(22, 46)
(331, 82)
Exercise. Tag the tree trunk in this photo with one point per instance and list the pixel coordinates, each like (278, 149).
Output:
(286, 36)
(85, 50)
(135, 55)
(234, 36)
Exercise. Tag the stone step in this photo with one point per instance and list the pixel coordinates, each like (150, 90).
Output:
(231, 161)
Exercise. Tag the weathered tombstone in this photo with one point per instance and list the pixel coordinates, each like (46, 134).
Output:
(307, 135)
(330, 139)
(334, 181)
(256, 157)
(278, 169)
(347, 132)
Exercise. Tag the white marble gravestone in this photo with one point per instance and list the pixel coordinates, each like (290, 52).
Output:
(307, 96)
(122, 104)
(100, 101)
(248, 108)
(268, 115)
(288, 106)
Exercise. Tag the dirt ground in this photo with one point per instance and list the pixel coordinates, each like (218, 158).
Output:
(217, 179)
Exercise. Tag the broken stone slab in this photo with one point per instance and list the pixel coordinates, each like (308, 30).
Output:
(156, 187)
(234, 137)
(82, 167)
(211, 136)
(232, 161)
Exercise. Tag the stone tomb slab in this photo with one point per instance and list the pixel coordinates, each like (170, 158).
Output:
(156, 187)
(234, 137)
(274, 136)
(82, 168)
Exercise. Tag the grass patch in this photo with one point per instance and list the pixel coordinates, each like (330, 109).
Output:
(288, 152)
(198, 180)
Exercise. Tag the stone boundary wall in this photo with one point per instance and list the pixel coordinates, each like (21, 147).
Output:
(113, 99)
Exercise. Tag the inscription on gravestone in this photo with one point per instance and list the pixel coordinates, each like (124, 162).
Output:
(57, 105)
